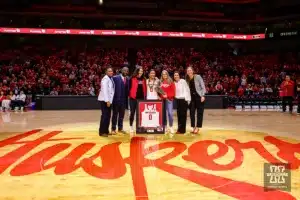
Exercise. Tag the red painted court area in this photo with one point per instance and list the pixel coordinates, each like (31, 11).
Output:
(114, 165)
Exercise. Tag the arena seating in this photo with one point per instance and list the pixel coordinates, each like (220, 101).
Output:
(52, 71)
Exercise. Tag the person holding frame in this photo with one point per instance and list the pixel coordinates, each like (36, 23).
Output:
(183, 99)
(198, 90)
(137, 91)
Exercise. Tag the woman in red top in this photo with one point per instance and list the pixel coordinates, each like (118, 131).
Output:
(2, 97)
(240, 91)
(298, 94)
(137, 91)
(287, 92)
(168, 86)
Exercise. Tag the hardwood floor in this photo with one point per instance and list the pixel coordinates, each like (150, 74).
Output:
(51, 155)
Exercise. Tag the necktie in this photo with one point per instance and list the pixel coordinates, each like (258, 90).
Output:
(124, 80)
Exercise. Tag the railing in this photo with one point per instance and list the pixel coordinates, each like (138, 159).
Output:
(136, 33)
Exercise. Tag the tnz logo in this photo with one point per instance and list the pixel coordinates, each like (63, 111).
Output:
(277, 177)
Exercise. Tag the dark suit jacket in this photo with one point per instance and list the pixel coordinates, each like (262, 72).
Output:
(121, 90)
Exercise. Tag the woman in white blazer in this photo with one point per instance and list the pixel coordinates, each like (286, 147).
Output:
(183, 99)
(105, 97)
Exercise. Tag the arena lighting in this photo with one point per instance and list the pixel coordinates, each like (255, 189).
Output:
(100, 2)
(136, 33)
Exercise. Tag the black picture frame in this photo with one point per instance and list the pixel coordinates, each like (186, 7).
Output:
(146, 130)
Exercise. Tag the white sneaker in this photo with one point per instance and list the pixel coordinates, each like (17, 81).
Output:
(172, 130)
(22, 109)
(166, 130)
(16, 109)
(131, 131)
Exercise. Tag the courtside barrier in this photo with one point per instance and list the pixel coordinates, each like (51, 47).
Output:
(131, 33)
(74, 102)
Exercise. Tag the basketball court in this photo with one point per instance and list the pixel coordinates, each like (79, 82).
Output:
(58, 155)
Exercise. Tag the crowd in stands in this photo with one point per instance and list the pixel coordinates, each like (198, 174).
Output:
(52, 71)
(225, 73)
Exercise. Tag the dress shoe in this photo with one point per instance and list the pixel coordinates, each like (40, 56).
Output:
(122, 132)
(113, 133)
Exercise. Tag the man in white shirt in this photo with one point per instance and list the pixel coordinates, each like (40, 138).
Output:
(105, 97)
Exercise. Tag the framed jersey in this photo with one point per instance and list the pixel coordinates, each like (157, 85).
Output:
(149, 117)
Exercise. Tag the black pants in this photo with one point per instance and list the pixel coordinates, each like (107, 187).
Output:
(132, 104)
(118, 116)
(287, 101)
(182, 107)
(17, 103)
(196, 107)
(105, 118)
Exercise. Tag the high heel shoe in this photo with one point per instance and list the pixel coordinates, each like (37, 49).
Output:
(192, 130)
(196, 131)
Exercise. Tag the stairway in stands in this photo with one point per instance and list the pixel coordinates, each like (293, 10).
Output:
(132, 55)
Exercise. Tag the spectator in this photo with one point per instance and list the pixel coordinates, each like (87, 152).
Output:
(91, 90)
(263, 80)
(269, 90)
(298, 94)
(18, 101)
(219, 88)
(241, 91)
(7, 102)
(54, 92)
(248, 90)
(2, 97)
(244, 80)
(46, 70)
(287, 88)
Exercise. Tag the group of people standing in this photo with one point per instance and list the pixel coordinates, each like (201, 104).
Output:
(116, 91)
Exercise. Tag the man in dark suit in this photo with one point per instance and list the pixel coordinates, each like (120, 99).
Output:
(120, 102)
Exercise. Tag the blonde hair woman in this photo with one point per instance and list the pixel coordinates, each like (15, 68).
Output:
(168, 87)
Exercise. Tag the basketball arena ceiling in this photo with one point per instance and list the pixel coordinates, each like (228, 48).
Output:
(196, 10)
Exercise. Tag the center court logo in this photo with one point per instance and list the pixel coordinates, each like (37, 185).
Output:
(277, 176)
(57, 154)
